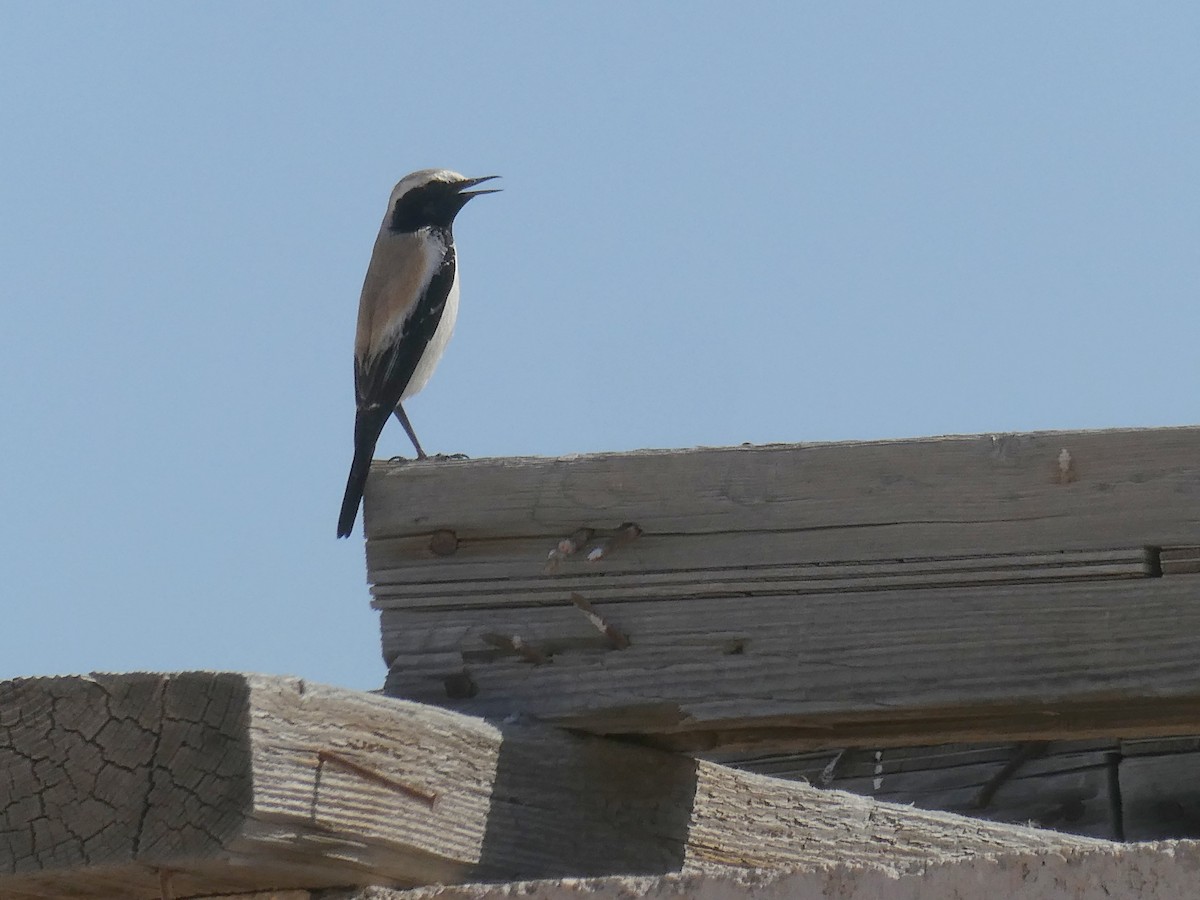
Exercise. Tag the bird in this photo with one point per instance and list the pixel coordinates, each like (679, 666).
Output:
(406, 313)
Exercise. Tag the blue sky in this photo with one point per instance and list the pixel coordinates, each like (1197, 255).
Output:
(777, 222)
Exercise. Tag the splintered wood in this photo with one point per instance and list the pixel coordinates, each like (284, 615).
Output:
(987, 588)
(146, 786)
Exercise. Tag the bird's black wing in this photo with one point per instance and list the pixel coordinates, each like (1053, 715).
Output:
(380, 381)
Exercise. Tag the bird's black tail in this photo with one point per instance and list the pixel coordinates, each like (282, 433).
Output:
(367, 426)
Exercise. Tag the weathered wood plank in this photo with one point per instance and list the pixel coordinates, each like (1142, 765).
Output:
(662, 555)
(84, 785)
(116, 786)
(397, 589)
(939, 496)
(410, 560)
(1066, 786)
(1026, 662)
(1116, 872)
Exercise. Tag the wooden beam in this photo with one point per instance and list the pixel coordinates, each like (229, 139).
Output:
(1069, 786)
(1130, 790)
(960, 589)
(1030, 662)
(451, 585)
(143, 786)
(959, 495)
(1141, 871)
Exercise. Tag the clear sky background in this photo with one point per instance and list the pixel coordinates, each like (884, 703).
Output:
(720, 223)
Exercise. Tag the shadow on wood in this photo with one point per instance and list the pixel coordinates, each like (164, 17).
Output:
(583, 808)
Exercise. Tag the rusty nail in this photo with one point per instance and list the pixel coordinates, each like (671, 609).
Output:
(623, 535)
(615, 637)
(566, 547)
(518, 645)
(426, 797)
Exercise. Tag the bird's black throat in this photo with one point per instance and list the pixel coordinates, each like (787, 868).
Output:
(432, 205)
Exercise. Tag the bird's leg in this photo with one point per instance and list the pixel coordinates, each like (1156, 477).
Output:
(408, 429)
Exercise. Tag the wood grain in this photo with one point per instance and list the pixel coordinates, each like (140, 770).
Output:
(504, 584)
(1041, 661)
(935, 496)
(1063, 785)
(1167, 871)
(117, 786)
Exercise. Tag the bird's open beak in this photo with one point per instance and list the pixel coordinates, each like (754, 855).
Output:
(471, 182)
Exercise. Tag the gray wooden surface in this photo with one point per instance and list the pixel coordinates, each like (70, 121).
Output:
(932, 496)
(1067, 786)
(147, 786)
(1117, 872)
(981, 588)
(1133, 790)
(886, 667)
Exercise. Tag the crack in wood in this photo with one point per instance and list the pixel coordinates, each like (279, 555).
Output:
(153, 769)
